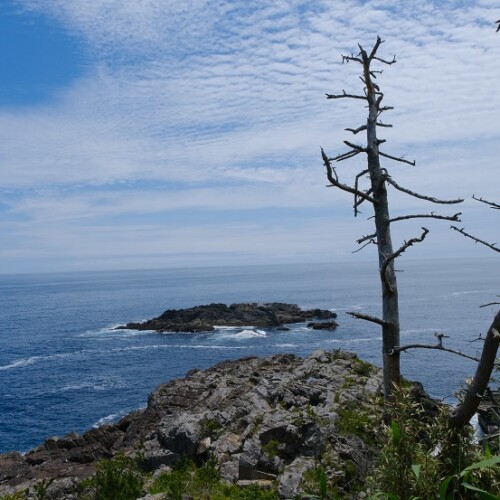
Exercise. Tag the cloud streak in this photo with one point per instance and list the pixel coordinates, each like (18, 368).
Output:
(219, 106)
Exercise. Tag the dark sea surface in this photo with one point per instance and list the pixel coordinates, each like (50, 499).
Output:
(63, 367)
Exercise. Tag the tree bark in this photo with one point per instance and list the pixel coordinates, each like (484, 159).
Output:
(390, 307)
(468, 407)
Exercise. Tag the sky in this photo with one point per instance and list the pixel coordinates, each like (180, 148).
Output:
(161, 133)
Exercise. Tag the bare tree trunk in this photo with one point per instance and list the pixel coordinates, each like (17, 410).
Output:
(390, 305)
(376, 195)
(465, 411)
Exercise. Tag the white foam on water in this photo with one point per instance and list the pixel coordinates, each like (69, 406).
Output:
(248, 334)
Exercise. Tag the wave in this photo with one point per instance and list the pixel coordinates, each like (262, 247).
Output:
(95, 385)
(20, 363)
(248, 334)
(111, 418)
(471, 292)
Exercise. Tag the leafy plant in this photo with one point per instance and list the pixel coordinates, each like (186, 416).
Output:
(117, 479)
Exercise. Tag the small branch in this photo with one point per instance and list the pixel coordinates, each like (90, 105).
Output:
(401, 250)
(365, 238)
(454, 217)
(385, 61)
(356, 130)
(396, 158)
(367, 317)
(356, 147)
(356, 201)
(346, 156)
(345, 95)
(436, 346)
(490, 203)
(333, 178)
(384, 108)
(389, 179)
(346, 59)
(477, 240)
(372, 241)
(378, 43)
(490, 304)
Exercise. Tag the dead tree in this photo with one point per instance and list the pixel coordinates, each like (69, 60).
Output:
(375, 194)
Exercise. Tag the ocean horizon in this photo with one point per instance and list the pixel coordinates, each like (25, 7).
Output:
(65, 368)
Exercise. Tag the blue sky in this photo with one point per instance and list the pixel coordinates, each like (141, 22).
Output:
(157, 133)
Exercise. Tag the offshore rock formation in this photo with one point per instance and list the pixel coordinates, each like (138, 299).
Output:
(262, 419)
(206, 318)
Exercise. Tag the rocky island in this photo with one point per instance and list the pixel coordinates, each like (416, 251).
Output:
(207, 317)
(269, 421)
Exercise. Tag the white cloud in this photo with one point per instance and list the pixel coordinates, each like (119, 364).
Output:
(225, 100)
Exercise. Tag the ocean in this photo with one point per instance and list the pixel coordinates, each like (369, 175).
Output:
(63, 366)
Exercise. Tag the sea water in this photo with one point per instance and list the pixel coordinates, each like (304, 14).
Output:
(64, 367)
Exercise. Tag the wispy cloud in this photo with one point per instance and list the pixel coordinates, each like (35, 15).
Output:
(218, 106)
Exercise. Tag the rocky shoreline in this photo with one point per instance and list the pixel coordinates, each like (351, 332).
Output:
(262, 419)
(207, 317)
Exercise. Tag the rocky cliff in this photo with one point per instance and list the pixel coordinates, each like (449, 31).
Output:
(263, 419)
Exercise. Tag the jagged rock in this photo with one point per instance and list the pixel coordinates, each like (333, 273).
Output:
(289, 482)
(206, 318)
(261, 418)
(322, 325)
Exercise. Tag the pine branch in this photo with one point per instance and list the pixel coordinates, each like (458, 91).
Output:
(477, 240)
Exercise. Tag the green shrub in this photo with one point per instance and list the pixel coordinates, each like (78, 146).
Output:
(424, 458)
(117, 479)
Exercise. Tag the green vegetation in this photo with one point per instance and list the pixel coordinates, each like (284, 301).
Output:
(204, 483)
(358, 420)
(118, 478)
(209, 427)
(423, 458)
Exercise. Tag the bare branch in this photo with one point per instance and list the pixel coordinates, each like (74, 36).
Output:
(356, 201)
(345, 95)
(346, 156)
(367, 317)
(380, 124)
(490, 304)
(365, 238)
(384, 108)
(356, 130)
(361, 149)
(436, 346)
(490, 203)
(372, 241)
(498, 27)
(454, 217)
(396, 158)
(333, 178)
(346, 59)
(389, 179)
(401, 250)
(477, 240)
(378, 43)
(385, 61)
